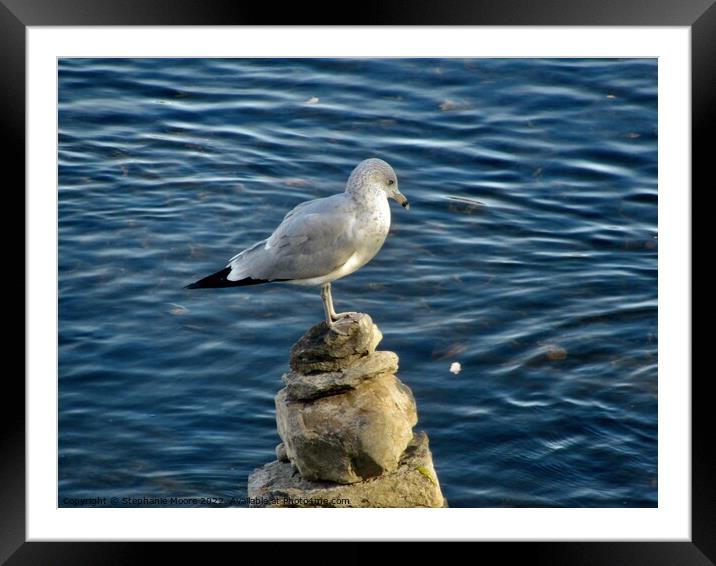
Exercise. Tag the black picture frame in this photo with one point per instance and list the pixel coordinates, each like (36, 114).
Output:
(17, 15)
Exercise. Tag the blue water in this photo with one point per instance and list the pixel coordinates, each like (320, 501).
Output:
(529, 256)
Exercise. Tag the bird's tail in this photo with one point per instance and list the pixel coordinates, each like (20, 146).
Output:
(219, 279)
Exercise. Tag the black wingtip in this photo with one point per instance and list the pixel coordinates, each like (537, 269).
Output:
(214, 280)
(219, 279)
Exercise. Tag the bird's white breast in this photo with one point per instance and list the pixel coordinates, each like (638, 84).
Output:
(372, 226)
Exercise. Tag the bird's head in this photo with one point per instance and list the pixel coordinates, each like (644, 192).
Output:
(373, 175)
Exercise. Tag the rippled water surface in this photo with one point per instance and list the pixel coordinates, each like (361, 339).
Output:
(529, 256)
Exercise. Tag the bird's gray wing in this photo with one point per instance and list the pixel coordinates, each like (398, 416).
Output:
(313, 240)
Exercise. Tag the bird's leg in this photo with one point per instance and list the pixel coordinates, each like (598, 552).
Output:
(329, 297)
(331, 315)
(328, 304)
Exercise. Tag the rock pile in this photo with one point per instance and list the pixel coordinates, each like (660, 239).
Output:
(346, 422)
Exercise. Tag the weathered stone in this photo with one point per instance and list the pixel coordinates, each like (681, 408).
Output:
(324, 349)
(281, 455)
(346, 424)
(351, 436)
(413, 484)
(303, 387)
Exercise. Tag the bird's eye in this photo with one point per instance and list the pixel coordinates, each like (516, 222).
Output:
(390, 181)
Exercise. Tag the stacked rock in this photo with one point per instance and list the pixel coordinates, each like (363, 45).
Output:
(346, 422)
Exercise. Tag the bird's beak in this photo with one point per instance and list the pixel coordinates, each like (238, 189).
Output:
(400, 199)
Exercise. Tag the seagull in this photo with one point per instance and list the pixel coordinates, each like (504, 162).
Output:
(321, 240)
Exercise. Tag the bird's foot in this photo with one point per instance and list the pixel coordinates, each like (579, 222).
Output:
(341, 315)
(341, 321)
